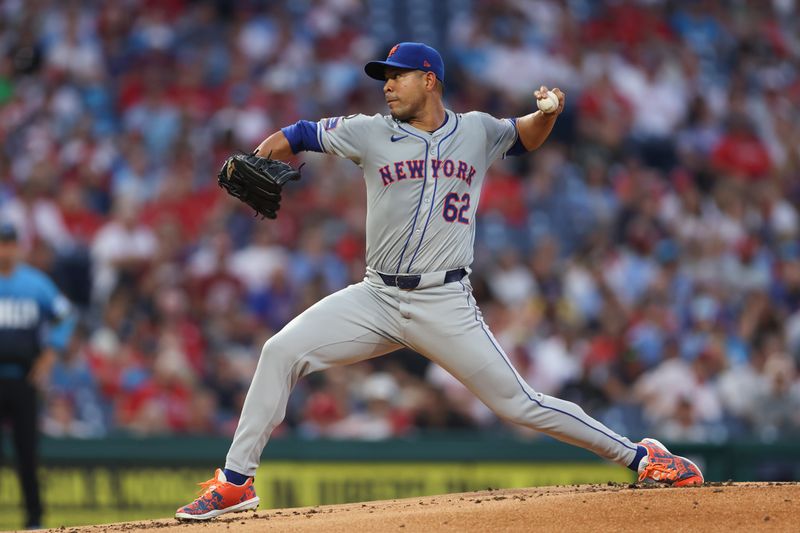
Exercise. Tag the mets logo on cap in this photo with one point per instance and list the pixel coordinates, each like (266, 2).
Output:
(412, 56)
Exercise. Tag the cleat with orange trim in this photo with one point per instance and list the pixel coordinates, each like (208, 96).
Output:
(219, 496)
(660, 466)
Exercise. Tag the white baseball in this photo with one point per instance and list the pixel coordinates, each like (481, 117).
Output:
(549, 104)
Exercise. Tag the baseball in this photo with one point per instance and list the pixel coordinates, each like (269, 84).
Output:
(549, 104)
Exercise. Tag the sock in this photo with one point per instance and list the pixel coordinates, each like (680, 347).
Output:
(235, 477)
(641, 452)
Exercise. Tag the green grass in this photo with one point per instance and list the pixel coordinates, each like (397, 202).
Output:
(80, 495)
(11, 519)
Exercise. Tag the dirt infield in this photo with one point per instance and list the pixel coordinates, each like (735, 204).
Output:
(613, 507)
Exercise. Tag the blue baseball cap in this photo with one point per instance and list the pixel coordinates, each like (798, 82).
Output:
(414, 56)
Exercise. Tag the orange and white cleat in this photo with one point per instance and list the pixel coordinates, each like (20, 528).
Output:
(220, 496)
(660, 466)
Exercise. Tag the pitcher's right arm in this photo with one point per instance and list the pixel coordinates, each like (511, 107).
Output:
(343, 136)
(276, 146)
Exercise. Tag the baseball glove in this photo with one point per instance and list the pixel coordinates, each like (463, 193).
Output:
(256, 181)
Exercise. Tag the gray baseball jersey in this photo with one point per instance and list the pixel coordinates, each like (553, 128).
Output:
(422, 188)
(422, 192)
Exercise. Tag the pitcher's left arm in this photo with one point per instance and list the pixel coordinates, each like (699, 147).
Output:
(534, 128)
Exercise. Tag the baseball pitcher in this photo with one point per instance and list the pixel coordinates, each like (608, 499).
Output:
(424, 167)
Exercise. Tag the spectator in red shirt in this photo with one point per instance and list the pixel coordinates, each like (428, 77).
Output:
(740, 153)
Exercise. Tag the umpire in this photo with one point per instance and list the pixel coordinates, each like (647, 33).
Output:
(35, 323)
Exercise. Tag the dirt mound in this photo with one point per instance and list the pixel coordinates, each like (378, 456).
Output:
(613, 507)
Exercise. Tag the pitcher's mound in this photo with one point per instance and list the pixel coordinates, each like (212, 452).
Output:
(723, 507)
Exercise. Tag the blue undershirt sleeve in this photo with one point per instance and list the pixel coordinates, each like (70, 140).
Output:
(517, 148)
(302, 136)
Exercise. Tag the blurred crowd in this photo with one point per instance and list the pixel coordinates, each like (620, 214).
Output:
(644, 263)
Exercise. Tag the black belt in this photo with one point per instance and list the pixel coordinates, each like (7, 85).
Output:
(410, 281)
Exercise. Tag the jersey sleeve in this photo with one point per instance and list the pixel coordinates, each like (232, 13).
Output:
(59, 312)
(346, 137)
(502, 137)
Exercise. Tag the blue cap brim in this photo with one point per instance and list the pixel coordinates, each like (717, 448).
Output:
(377, 69)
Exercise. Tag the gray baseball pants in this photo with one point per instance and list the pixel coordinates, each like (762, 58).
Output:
(441, 322)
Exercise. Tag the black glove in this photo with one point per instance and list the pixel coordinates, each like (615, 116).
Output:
(256, 181)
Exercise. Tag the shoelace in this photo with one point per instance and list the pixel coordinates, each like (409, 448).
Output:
(659, 472)
(207, 486)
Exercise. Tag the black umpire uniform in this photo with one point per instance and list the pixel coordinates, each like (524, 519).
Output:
(29, 301)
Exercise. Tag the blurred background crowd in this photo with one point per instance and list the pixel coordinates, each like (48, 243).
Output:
(644, 263)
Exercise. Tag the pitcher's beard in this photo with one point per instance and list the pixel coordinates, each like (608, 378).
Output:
(405, 114)
(402, 117)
